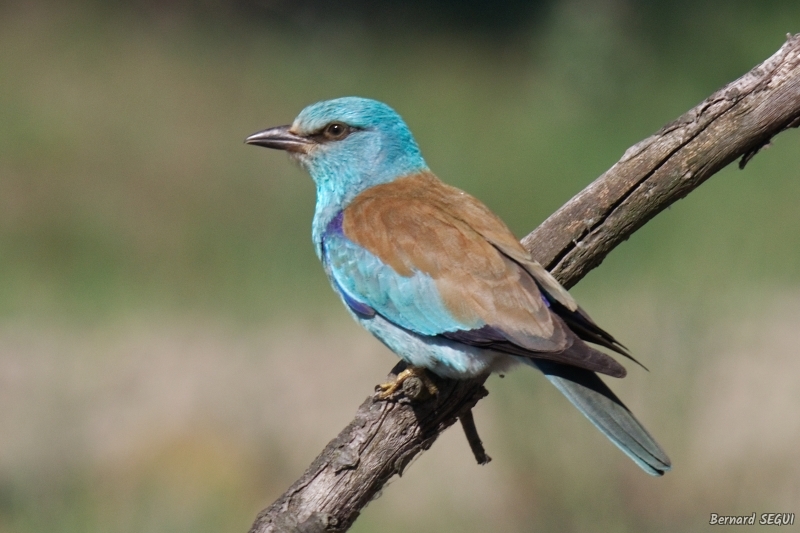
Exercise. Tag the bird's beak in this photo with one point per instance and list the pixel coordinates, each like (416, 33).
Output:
(280, 138)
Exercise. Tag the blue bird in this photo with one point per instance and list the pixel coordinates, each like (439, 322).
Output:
(436, 276)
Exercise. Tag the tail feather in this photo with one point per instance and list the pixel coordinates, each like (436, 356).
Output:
(601, 406)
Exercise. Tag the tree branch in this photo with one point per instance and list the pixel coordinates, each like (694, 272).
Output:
(385, 436)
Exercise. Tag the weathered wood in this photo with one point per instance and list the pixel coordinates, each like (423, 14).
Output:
(382, 439)
(735, 122)
(474, 440)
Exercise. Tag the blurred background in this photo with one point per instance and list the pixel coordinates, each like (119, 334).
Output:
(172, 358)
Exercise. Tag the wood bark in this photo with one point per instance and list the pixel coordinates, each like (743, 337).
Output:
(733, 123)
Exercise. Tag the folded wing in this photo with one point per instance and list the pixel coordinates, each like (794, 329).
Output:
(435, 261)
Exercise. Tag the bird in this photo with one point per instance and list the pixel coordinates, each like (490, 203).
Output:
(439, 278)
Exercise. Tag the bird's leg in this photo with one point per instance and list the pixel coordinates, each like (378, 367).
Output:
(418, 372)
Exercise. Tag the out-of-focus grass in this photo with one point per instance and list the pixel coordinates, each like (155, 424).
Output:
(126, 184)
(171, 356)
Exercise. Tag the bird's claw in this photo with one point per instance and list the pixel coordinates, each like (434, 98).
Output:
(389, 388)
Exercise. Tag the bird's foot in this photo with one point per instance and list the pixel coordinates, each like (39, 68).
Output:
(411, 372)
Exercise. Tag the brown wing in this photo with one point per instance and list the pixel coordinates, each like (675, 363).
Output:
(482, 273)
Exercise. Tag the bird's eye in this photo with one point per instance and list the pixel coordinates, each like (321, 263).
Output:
(336, 131)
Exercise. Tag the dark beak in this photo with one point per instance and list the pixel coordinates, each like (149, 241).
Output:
(280, 138)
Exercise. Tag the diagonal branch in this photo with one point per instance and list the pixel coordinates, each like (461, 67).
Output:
(735, 122)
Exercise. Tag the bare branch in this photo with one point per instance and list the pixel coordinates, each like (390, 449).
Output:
(474, 440)
(734, 122)
(384, 437)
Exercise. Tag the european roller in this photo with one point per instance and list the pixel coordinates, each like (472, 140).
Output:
(436, 276)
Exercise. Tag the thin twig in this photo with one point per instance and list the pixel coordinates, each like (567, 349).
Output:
(474, 440)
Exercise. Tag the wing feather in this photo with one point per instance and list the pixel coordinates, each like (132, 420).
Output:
(434, 260)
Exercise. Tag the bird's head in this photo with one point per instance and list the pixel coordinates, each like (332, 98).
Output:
(347, 145)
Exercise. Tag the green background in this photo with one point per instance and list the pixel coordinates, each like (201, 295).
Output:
(172, 358)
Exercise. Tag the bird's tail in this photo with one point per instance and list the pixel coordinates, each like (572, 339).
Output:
(595, 400)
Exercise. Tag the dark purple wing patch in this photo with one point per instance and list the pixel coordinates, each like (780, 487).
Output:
(484, 336)
(335, 225)
(358, 308)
